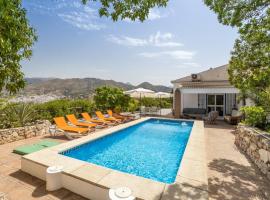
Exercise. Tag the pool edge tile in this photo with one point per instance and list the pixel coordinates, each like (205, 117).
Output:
(197, 134)
(141, 187)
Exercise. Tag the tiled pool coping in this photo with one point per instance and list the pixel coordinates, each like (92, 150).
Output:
(93, 181)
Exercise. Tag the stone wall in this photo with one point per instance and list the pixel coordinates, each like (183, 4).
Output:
(14, 134)
(256, 144)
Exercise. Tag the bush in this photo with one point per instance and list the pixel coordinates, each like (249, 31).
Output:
(156, 102)
(254, 116)
(111, 98)
(133, 105)
(62, 107)
(17, 115)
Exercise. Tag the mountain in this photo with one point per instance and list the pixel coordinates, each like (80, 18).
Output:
(80, 86)
(156, 88)
(36, 80)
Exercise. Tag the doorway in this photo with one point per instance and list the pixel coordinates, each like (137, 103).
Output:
(215, 102)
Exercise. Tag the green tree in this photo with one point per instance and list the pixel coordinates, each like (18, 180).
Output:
(111, 98)
(263, 99)
(16, 40)
(250, 61)
(130, 9)
(238, 13)
(249, 67)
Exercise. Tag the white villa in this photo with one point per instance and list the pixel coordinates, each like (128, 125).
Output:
(206, 91)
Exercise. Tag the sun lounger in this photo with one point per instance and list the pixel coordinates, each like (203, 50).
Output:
(89, 119)
(69, 134)
(111, 119)
(72, 119)
(118, 116)
(62, 125)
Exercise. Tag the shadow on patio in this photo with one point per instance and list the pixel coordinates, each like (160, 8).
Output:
(39, 187)
(237, 181)
(184, 191)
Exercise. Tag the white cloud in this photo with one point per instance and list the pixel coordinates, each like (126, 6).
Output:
(163, 40)
(82, 20)
(177, 54)
(70, 11)
(157, 40)
(127, 41)
(155, 14)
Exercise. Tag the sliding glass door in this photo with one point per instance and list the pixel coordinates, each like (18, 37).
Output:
(215, 102)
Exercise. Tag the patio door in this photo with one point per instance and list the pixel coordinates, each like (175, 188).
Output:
(215, 102)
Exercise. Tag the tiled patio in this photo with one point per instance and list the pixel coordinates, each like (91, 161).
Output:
(18, 185)
(230, 174)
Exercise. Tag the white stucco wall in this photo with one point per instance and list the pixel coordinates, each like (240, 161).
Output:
(190, 101)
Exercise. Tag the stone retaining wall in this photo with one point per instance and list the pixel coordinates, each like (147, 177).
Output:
(14, 134)
(256, 144)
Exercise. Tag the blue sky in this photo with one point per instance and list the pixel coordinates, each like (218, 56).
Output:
(73, 41)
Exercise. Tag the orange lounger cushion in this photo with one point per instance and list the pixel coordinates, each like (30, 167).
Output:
(110, 112)
(61, 124)
(101, 116)
(75, 121)
(88, 118)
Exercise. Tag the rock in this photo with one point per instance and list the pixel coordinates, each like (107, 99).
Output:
(13, 134)
(264, 155)
(253, 147)
(247, 139)
(256, 145)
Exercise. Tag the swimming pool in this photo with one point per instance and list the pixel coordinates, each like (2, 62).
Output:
(151, 149)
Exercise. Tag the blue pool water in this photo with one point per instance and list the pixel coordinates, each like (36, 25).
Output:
(152, 149)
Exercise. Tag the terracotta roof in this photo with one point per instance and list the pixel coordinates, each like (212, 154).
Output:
(218, 74)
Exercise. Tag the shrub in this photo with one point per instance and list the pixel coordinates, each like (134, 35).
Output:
(133, 105)
(254, 116)
(156, 102)
(111, 98)
(81, 105)
(62, 107)
(21, 114)
(17, 115)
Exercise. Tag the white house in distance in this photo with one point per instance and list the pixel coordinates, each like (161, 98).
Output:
(207, 91)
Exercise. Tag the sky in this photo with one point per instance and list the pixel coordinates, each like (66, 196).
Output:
(74, 42)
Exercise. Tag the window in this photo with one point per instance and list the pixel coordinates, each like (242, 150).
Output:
(215, 102)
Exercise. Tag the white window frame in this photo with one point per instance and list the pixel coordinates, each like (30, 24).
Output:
(215, 105)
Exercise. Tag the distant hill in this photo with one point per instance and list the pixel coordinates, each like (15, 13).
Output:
(80, 86)
(156, 88)
(36, 80)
